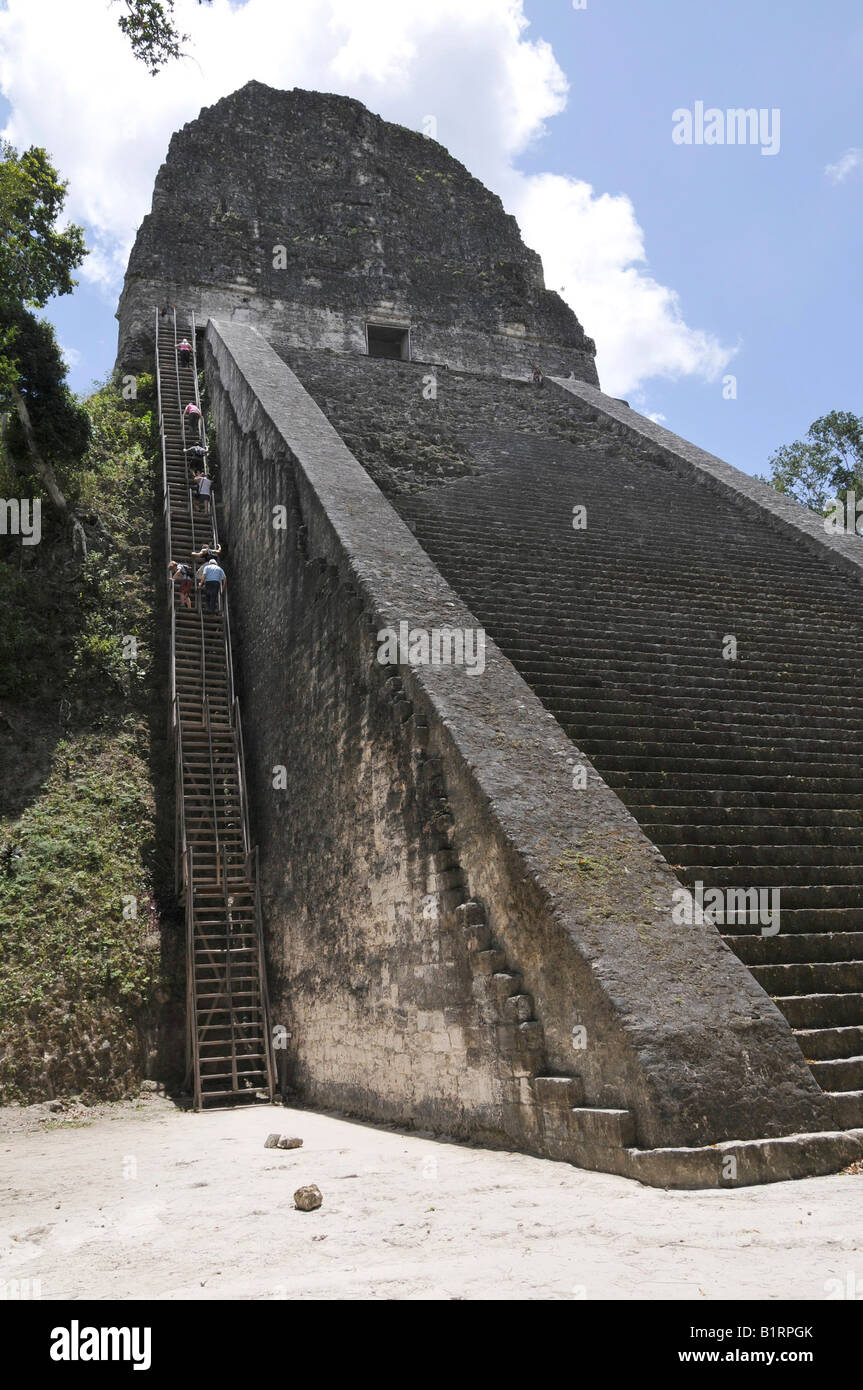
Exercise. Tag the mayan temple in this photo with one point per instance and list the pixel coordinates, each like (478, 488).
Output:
(504, 668)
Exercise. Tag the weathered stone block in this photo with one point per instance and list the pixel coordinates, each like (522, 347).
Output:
(518, 1008)
(489, 962)
(558, 1092)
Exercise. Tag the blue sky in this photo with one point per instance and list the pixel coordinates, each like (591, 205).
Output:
(761, 252)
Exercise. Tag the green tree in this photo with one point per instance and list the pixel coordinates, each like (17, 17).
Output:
(36, 261)
(36, 258)
(54, 425)
(827, 462)
(149, 26)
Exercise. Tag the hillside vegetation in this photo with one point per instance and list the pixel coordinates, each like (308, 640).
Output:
(88, 965)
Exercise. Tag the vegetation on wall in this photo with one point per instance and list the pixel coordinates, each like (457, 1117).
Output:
(84, 973)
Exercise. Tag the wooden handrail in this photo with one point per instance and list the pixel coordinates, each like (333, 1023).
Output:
(197, 898)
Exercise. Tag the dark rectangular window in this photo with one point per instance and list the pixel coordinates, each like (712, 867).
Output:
(384, 341)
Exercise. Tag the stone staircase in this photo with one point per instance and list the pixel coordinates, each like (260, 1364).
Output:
(743, 771)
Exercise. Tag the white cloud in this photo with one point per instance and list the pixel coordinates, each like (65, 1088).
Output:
(74, 87)
(72, 355)
(593, 248)
(852, 159)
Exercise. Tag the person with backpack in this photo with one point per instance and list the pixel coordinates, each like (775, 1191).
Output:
(213, 580)
(207, 552)
(196, 459)
(184, 353)
(195, 456)
(181, 576)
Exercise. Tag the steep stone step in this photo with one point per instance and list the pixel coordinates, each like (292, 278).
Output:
(848, 1108)
(605, 1129)
(811, 978)
(798, 948)
(815, 1011)
(825, 1044)
(839, 1073)
(731, 824)
(794, 920)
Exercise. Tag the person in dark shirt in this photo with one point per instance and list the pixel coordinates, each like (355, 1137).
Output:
(207, 552)
(195, 457)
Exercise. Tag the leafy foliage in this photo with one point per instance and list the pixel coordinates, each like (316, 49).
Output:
(36, 259)
(62, 620)
(115, 477)
(60, 423)
(79, 980)
(829, 461)
(151, 31)
(76, 975)
(36, 262)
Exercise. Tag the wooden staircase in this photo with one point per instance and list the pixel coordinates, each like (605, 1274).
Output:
(228, 1053)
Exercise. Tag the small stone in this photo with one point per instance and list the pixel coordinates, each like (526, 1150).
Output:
(308, 1198)
(149, 1085)
(271, 1141)
(286, 1142)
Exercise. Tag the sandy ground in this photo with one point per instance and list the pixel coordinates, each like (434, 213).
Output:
(142, 1200)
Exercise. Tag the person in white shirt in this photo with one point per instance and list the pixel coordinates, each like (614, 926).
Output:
(205, 490)
(212, 579)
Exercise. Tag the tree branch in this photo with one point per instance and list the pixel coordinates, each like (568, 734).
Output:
(45, 471)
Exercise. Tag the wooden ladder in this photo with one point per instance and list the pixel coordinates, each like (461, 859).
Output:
(229, 1053)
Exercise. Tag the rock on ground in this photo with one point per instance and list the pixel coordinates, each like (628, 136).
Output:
(308, 1198)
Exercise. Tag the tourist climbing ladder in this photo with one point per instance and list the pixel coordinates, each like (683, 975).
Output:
(229, 1054)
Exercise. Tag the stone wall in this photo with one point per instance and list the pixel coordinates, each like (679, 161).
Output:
(412, 795)
(306, 214)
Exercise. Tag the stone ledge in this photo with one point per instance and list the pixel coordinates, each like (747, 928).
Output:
(757, 1160)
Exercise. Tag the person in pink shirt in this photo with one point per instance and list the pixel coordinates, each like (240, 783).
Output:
(192, 420)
